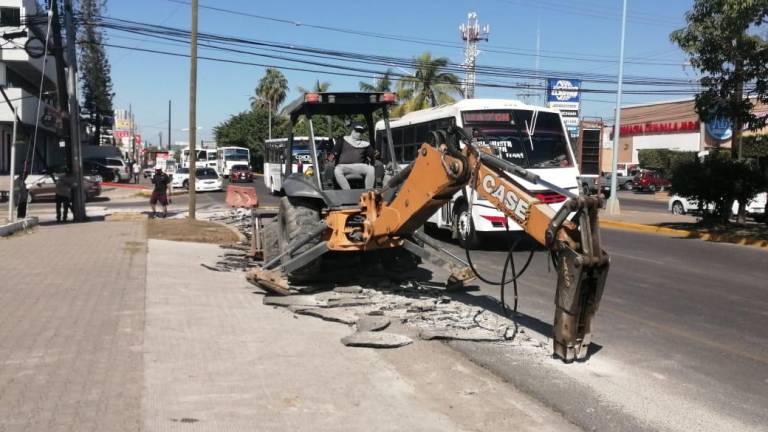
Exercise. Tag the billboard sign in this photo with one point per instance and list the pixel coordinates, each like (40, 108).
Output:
(563, 90)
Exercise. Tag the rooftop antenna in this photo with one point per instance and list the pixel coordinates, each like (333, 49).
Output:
(471, 34)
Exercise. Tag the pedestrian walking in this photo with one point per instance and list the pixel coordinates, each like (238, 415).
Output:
(63, 195)
(162, 184)
(136, 171)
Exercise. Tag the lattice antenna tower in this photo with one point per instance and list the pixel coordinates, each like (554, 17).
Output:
(471, 34)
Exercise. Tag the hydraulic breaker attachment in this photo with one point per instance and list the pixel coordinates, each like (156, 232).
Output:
(582, 267)
(579, 289)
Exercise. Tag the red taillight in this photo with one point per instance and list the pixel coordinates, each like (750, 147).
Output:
(550, 197)
(495, 220)
(312, 98)
(389, 98)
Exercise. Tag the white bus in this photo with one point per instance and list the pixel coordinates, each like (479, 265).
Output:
(226, 157)
(206, 158)
(532, 137)
(274, 158)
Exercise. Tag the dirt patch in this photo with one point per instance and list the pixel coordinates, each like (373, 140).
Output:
(190, 230)
(751, 233)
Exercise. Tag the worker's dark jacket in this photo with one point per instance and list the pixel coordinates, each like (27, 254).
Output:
(350, 151)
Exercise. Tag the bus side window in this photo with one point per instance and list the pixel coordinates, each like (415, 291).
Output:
(397, 141)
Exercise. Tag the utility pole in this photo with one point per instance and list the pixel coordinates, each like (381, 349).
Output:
(131, 144)
(612, 206)
(169, 124)
(12, 189)
(160, 140)
(78, 202)
(193, 111)
(471, 33)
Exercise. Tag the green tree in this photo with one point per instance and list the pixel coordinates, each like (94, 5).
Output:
(721, 38)
(248, 129)
(383, 84)
(429, 86)
(94, 67)
(271, 91)
(319, 87)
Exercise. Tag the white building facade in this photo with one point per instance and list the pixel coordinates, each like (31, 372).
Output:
(21, 75)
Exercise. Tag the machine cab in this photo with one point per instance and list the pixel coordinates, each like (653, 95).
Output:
(328, 173)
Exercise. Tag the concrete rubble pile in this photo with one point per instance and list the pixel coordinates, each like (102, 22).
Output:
(372, 306)
(427, 310)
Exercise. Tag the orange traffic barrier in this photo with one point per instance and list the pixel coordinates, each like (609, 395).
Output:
(242, 197)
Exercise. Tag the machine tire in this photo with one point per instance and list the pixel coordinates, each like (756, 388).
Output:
(678, 208)
(270, 240)
(297, 216)
(468, 237)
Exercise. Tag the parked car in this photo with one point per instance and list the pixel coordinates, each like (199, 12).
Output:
(649, 181)
(43, 186)
(207, 179)
(755, 208)
(122, 170)
(240, 173)
(180, 178)
(92, 168)
(148, 172)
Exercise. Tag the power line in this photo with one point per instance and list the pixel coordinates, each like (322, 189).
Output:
(431, 42)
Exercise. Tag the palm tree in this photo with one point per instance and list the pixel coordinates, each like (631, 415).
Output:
(429, 86)
(272, 89)
(383, 84)
(319, 87)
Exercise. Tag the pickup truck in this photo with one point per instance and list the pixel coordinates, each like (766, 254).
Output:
(622, 181)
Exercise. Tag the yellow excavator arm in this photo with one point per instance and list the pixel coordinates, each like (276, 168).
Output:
(571, 235)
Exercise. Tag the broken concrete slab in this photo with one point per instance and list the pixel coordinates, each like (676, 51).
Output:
(473, 334)
(349, 302)
(376, 340)
(292, 300)
(370, 323)
(340, 315)
(297, 308)
(352, 289)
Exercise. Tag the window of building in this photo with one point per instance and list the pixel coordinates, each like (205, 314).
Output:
(10, 17)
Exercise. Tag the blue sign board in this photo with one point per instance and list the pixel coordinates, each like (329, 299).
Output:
(563, 90)
(719, 128)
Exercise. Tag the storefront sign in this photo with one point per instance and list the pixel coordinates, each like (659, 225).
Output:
(563, 90)
(659, 128)
(719, 128)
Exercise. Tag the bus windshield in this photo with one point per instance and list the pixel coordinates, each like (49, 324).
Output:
(236, 154)
(519, 137)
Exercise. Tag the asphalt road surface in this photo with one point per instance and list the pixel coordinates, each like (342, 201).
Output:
(680, 336)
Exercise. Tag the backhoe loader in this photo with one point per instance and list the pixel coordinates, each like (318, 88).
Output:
(317, 219)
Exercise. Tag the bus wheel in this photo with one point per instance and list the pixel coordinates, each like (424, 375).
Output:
(297, 216)
(468, 237)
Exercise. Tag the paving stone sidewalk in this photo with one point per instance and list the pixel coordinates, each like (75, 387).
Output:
(71, 327)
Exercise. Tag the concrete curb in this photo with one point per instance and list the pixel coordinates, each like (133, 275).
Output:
(720, 238)
(10, 228)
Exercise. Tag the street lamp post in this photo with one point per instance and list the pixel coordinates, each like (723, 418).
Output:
(269, 102)
(612, 206)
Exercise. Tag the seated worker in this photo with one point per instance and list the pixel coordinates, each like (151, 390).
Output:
(353, 157)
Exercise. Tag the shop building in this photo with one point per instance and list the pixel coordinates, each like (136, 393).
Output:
(672, 125)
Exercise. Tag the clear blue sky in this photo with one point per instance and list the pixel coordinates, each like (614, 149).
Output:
(568, 28)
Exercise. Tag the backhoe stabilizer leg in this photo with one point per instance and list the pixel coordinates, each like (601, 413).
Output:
(579, 290)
